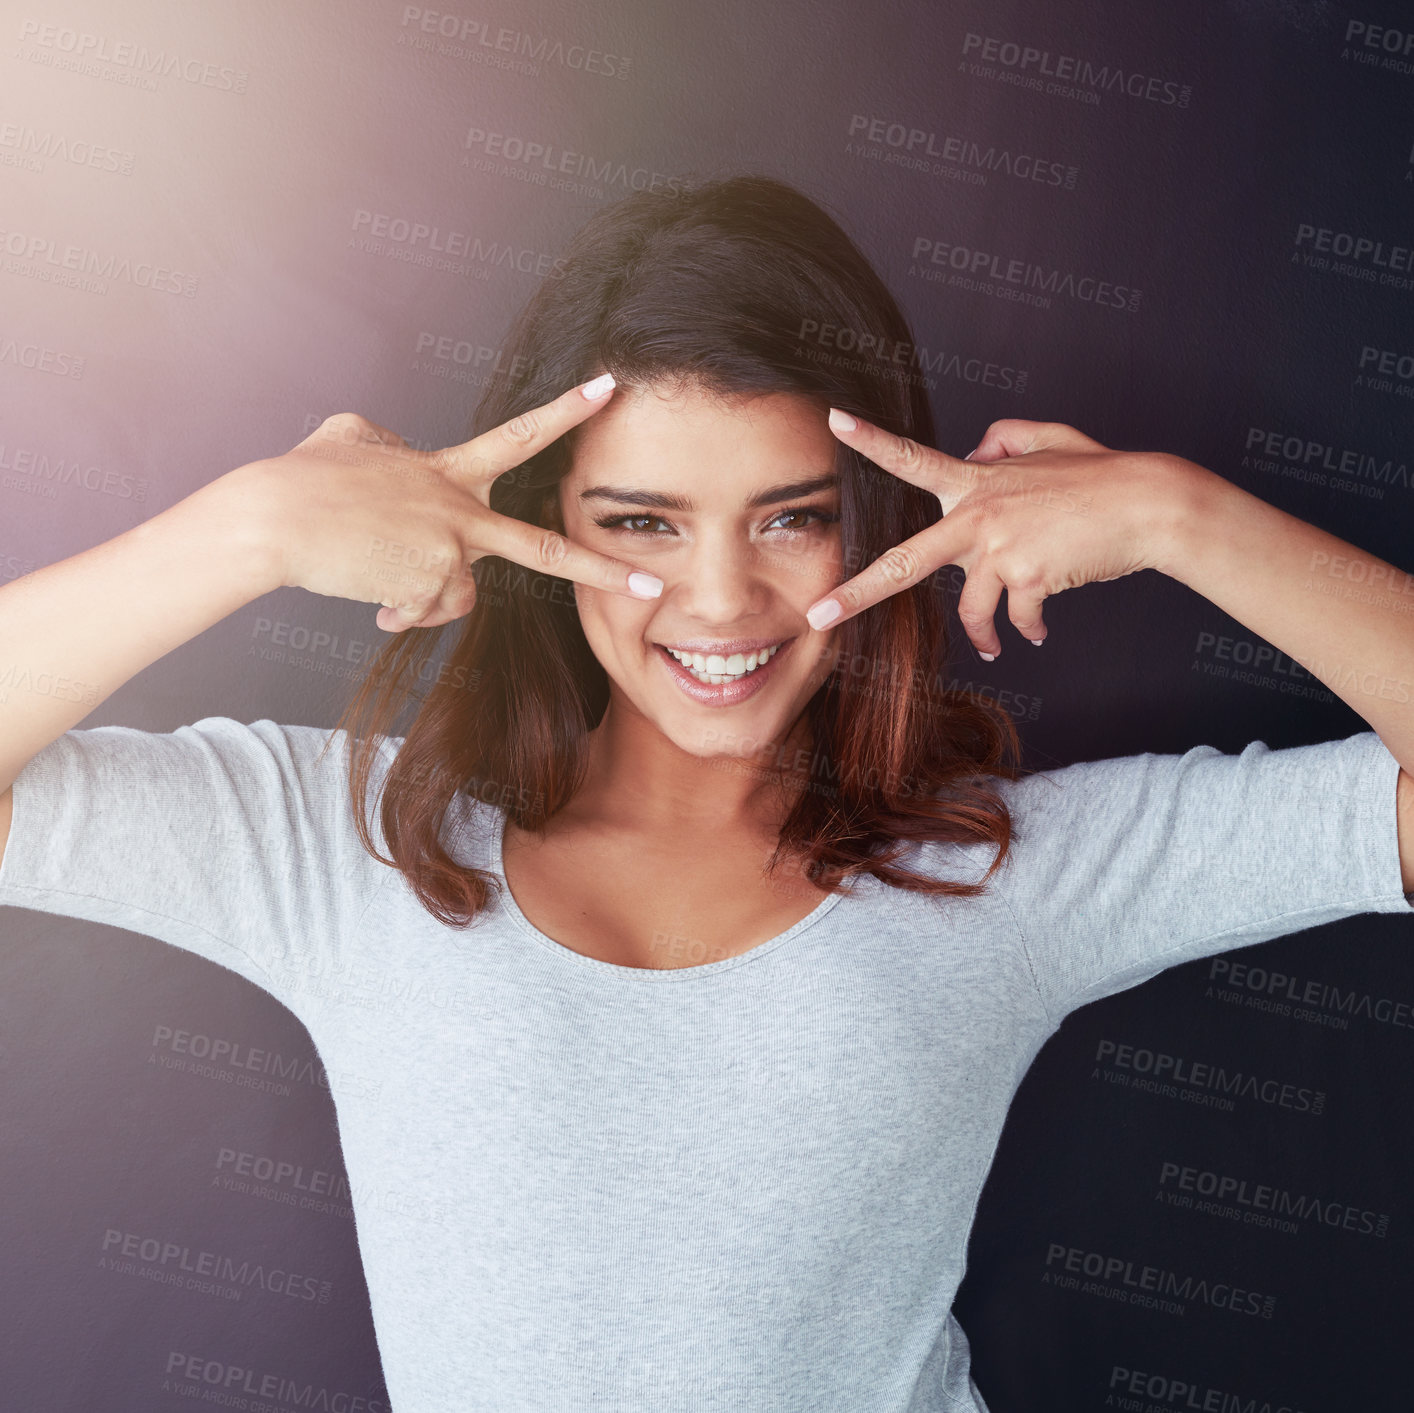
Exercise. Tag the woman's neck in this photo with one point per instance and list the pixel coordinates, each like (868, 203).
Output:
(638, 775)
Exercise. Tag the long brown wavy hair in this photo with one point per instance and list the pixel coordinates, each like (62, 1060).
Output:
(718, 285)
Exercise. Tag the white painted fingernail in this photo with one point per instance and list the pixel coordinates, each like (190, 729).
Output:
(823, 614)
(842, 421)
(646, 586)
(598, 387)
(986, 657)
(1037, 641)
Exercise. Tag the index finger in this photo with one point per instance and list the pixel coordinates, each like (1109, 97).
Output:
(479, 461)
(552, 553)
(900, 567)
(947, 477)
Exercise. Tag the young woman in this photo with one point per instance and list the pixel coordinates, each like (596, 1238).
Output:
(671, 1053)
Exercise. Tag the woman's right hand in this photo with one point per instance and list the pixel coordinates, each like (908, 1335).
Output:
(356, 513)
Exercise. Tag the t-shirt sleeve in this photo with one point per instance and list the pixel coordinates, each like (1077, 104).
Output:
(233, 841)
(1124, 867)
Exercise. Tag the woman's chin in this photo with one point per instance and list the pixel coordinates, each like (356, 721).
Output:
(750, 733)
(751, 739)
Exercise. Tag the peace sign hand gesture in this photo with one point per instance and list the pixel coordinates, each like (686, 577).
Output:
(354, 512)
(1038, 507)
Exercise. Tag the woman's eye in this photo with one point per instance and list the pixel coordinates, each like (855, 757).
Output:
(629, 523)
(806, 517)
(822, 517)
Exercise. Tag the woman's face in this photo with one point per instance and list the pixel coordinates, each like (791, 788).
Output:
(734, 506)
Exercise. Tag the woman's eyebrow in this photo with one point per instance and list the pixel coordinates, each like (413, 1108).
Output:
(666, 500)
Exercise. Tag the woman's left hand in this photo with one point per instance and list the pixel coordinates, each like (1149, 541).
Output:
(1038, 507)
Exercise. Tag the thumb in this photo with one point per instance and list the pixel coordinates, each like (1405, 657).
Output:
(1016, 436)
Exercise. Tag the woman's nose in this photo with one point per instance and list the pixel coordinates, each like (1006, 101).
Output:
(724, 580)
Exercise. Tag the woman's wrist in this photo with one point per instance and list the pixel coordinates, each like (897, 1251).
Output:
(1181, 503)
(244, 506)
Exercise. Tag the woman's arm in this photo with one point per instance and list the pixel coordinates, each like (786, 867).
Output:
(334, 515)
(1344, 615)
(75, 631)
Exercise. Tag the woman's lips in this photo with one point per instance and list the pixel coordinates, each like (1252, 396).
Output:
(722, 693)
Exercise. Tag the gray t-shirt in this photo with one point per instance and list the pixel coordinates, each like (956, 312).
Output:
(746, 1185)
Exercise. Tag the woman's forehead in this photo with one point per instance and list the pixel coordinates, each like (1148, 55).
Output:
(689, 431)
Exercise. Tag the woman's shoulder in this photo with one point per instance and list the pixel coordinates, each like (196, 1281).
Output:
(1092, 808)
(1061, 795)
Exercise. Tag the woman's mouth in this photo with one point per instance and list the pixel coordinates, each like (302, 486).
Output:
(721, 680)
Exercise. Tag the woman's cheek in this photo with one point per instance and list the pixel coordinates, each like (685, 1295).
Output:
(821, 568)
(612, 623)
(591, 618)
(825, 658)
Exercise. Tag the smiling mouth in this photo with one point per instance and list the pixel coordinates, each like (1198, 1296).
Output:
(713, 669)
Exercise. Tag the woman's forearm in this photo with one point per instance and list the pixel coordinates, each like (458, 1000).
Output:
(73, 632)
(1344, 615)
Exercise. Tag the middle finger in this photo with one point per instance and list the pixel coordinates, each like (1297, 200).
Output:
(478, 462)
(948, 477)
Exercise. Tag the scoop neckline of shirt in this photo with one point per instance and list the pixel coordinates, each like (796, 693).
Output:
(635, 975)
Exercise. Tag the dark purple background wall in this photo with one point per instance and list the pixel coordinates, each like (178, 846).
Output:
(292, 210)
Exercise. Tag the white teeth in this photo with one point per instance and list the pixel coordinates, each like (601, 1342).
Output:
(715, 669)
